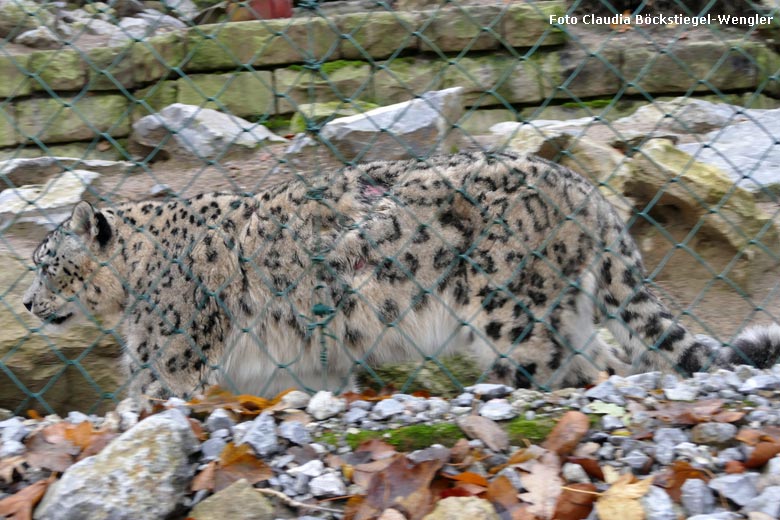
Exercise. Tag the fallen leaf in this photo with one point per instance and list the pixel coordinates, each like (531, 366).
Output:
(762, 453)
(237, 462)
(54, 456)
(206, 478)
(402, 485)
(685, 413)
(621, 500)
(576, 502)
(543, 483)
(482, 428)
(469, 477)
(748, 436)
(734, 466)
(378, 449)
(503, 495)
(673, 478)
(728, 416)
(244, 405)
(20, 505)
(567, 433)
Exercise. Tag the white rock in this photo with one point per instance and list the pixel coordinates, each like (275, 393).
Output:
(324, 405)
(199, 132)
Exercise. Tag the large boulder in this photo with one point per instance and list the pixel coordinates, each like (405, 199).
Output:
(144, 473)
(195, 133)
(418, 128)
(746, 150)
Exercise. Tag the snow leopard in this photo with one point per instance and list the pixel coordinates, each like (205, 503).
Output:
(511, 260)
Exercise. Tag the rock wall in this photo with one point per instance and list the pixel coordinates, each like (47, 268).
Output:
(501, 54)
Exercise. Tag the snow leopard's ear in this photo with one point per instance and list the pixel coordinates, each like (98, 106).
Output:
(90, 224)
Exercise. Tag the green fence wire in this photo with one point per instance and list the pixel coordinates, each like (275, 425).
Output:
(669, 108)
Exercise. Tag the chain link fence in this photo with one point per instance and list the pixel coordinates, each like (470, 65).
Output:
(669, 108)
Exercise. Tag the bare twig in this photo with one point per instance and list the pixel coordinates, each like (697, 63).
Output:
(294, 503)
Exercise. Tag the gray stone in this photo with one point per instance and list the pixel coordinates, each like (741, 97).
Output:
(184, 9)
(497, 410)
(313, 468)
(354, 415)
(487, 391)
(13, 429)
(713, 433)
(418, 128)
(464, 399)
(658, 505)
(44, 205)
(238, 501)
(387, 408)
(760, 382)
(324, 405)
(212, 448)
(329, 484)
(696, 497)
(219, 419)
(606, 392)
(11, 448)
(681, 392)
(295, 432)
(294, 400)
(768, 502)
(609, 422)
(144, 473)
(39, 38)
(437, 408)
(200, 133)
(636, 460)
(739, 488)
(744, 150)
(574, 473)
(261, 435)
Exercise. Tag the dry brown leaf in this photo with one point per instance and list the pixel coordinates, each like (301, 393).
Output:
(748, 436)
(378, 449)
(469, 477)
(567, 433)
(362, 473)
(206, 478)
(57, 456)
(237, 462)
(244, 405)
(543, 483)
(402, 485)
(482, 428)
(576, 502)
(503, 495)
(728, 416)
(685, 413)
(621, 500)
(20, 505)
(762, 453)
(673, 478)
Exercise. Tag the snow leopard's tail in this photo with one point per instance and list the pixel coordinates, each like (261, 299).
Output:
(652, 339)
(758, 346)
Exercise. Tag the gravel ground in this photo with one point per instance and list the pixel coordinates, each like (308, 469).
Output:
(723, 428)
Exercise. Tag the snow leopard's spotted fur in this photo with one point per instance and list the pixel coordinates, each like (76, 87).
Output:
(508, 259)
